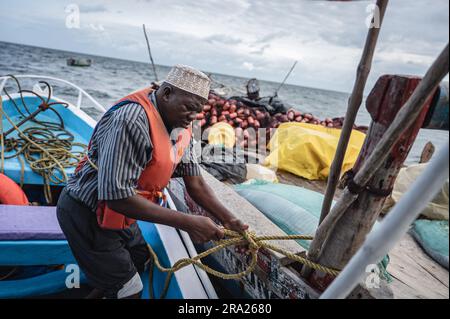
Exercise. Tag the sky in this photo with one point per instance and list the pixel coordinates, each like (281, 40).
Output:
(249, 38)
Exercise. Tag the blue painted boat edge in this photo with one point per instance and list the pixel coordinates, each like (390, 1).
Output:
(46, 284)
(187, 278)
(35, 252)
(153, 238)
(57, 252)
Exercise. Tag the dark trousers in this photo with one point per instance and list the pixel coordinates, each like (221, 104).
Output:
(108, 258)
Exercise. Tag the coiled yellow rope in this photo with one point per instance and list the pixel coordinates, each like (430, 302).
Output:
(43, 149)
(255, 243)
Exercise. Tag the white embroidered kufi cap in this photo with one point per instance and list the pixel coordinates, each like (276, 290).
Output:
(190, 80)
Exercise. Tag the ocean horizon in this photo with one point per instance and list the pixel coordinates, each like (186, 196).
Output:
(109, 78)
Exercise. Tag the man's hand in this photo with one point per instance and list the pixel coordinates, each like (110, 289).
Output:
(235, 224)
(204, 196)
(202, 229)
(238, 226)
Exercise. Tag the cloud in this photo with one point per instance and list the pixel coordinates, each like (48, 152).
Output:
(250, 38)
(261, 49)
(92, 8)
(223, 39)
(248, 66)
(98, 27)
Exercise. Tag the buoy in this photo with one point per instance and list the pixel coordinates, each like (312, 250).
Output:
(11, 193)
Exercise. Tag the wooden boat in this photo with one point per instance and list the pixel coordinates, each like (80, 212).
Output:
(79, 62)
(414, 274)
(35, 259)
(278, 277)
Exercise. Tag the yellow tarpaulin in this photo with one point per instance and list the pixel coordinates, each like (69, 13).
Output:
(308, 150)
(222, 134)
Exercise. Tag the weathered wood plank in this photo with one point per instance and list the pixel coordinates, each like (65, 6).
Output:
(415, 274)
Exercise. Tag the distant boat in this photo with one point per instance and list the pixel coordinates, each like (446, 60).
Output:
(79, 62)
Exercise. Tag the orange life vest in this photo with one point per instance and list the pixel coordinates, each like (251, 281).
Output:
(11, 193)
(156, 175)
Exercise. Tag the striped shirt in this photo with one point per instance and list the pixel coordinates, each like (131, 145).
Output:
(121, 148)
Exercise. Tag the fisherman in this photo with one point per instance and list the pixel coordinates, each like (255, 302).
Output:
(271, 104)
(253, 89)
(136, 147)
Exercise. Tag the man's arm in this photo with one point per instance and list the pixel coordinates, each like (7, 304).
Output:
(123, 154)
(201, 193)
(201, 229)
(204, 196)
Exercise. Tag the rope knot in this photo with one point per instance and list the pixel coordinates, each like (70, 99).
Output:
(235, 238)
(250, 237)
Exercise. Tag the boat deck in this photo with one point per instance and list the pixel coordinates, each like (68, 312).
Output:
(415, 274)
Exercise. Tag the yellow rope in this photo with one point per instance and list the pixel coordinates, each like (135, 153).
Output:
(255, 243)
(54, 153)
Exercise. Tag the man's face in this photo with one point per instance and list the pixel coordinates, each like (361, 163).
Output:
(181, 108)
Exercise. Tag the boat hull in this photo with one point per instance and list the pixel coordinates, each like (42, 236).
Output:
(57, 252)
(79, 62)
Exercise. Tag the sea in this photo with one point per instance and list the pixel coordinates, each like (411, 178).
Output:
(109, 79)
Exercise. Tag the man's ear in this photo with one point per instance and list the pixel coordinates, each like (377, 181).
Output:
(167, 92)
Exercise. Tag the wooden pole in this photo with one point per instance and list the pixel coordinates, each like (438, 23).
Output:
(285, 78)
(408, 114)
(393, 227)
(150, 54)
(384, 102)
(354, 103)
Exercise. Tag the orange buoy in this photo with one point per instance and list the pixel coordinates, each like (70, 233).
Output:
(11, 193)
